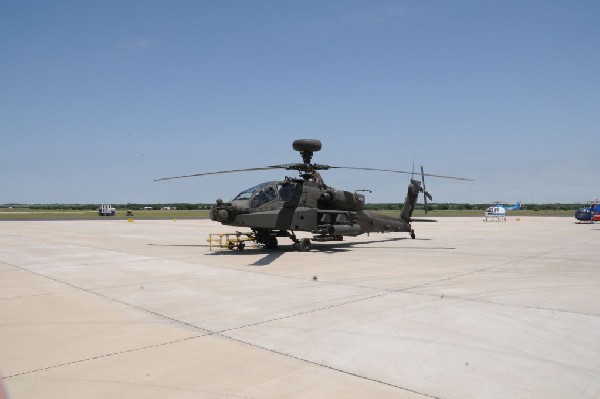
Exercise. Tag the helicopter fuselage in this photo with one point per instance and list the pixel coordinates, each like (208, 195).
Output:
(279, 208)
(303, 205)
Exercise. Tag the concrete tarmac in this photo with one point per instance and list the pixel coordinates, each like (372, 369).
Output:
(143, 309)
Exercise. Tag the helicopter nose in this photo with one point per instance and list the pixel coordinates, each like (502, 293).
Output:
(218, 214)
(222, 212)
(222, 215)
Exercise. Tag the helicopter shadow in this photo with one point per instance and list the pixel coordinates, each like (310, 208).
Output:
(268, 259)
(369, 245)
(271, 255)
(329, 248)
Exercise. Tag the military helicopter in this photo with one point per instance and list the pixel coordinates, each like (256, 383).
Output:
(277, 209)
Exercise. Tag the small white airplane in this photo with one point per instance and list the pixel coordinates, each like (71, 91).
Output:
(498, 211)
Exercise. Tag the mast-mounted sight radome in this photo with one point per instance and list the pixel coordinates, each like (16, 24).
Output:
(306, 147)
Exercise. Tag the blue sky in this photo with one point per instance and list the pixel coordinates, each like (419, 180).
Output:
(99, 98)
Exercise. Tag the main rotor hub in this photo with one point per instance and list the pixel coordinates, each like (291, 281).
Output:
(306, 147)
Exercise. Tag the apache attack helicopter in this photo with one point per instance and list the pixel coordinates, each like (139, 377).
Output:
(278, 208)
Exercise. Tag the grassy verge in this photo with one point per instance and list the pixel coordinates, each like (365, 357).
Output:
(479, 213)
(31, 214)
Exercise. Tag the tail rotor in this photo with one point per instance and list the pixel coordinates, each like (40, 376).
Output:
(425, 192)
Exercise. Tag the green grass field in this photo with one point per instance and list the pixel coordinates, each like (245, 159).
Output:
(33, 214)
(24, 214)
(480, 213)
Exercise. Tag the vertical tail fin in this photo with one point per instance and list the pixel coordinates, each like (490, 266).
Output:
(414, 188)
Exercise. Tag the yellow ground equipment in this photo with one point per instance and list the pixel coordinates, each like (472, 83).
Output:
(231, 241)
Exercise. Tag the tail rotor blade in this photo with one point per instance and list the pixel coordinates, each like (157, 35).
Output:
(425, 193)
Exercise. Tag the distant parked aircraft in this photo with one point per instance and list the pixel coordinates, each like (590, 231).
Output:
(498, 211)
(589, 213)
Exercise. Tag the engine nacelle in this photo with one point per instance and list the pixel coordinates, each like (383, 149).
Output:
(342, 200)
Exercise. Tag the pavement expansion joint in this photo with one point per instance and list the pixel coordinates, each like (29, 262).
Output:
(104, 356)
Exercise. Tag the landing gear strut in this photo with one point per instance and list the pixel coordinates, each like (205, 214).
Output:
(303, 245)
(267, 238)
(412, 234)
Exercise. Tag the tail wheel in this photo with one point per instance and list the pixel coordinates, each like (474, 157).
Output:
(412, 234)
(304, 245)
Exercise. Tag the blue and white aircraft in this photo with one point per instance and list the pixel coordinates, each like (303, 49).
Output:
(588, 214)
(498, 211)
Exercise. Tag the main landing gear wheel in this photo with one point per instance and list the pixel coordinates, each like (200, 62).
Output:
(412, 234)
(271, 242)
(304, 245)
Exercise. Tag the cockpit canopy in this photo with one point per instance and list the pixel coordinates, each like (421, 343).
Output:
(267, 192)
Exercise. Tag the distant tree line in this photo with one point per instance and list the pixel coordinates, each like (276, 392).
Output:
(372, 207)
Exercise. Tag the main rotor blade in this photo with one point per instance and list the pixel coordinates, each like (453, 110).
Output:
(302, 166)
(220, 172)
(400, 171)
(305, 167)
